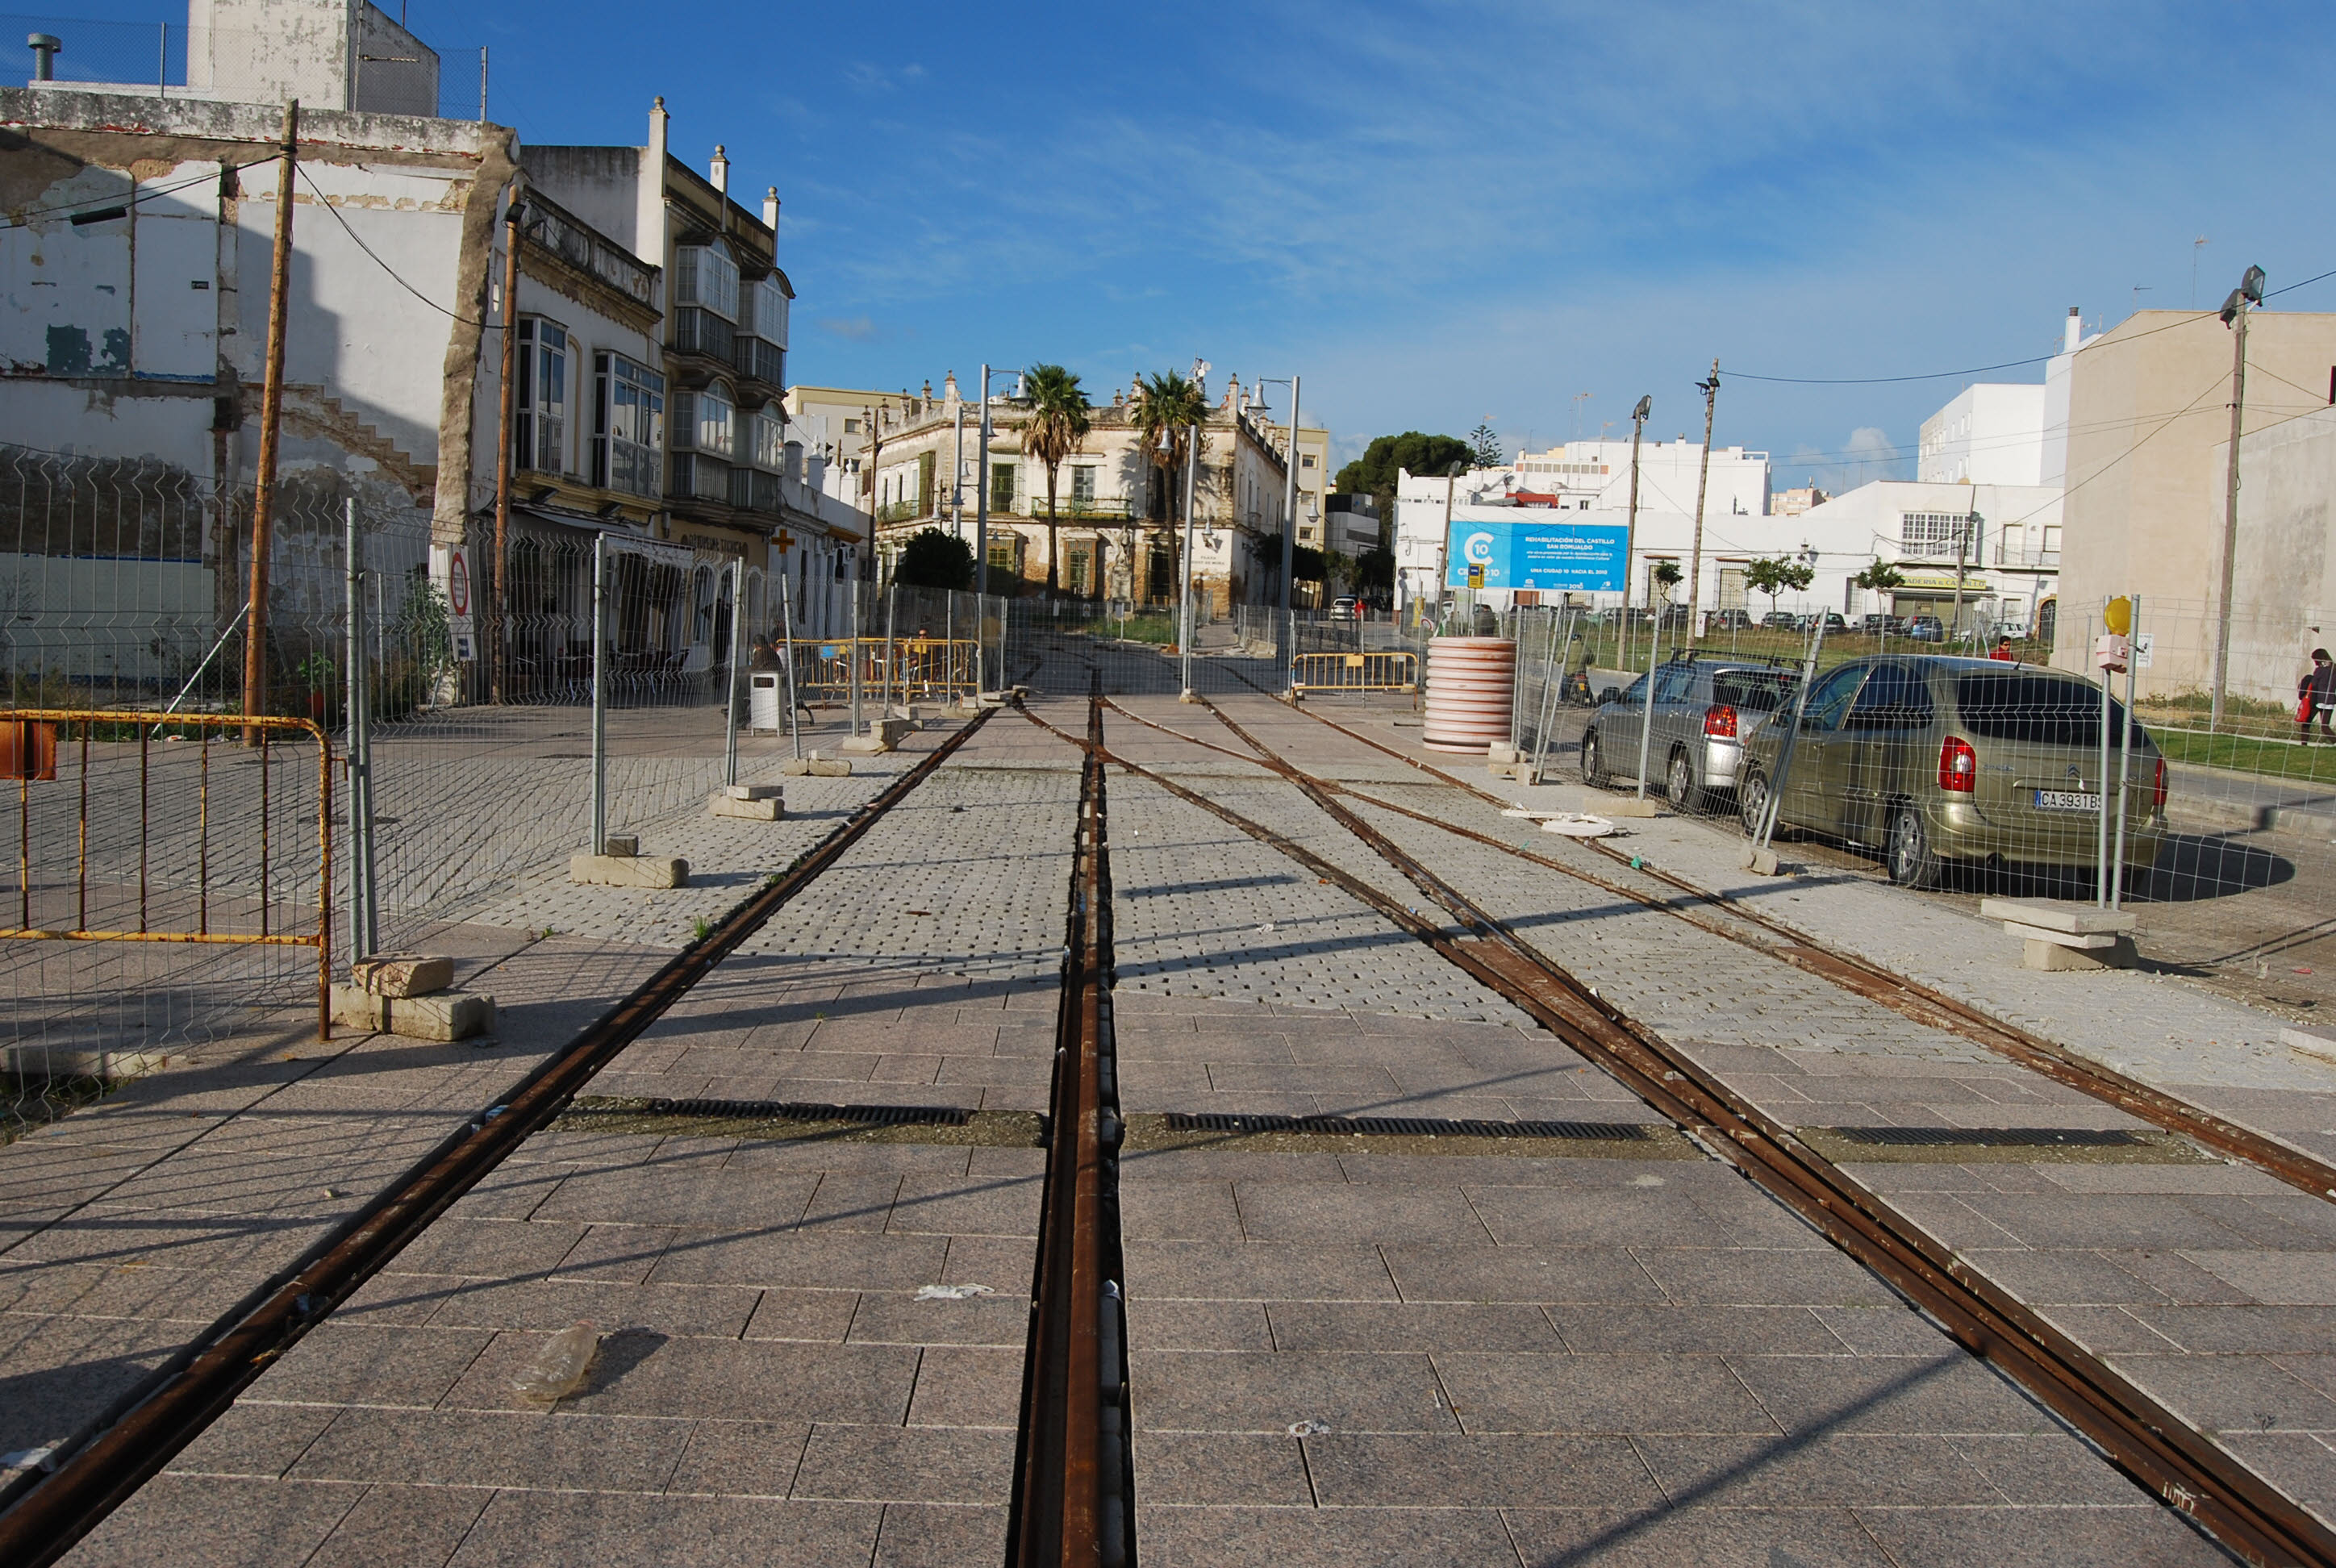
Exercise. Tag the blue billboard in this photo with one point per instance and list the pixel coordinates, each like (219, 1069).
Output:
(1537, 551)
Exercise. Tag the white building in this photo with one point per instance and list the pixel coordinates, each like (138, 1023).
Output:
(2006, 538)
(1991, 432)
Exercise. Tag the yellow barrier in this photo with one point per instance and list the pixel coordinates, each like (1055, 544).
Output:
(1393, 670)
(49, 752)
(923, 668)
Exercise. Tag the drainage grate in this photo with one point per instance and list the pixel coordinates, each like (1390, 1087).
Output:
(1407, 1126)
(784, 1111)
(1988, 1137)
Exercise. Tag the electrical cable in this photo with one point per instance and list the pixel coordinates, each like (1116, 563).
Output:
(81, 208)
(2187, 317)
(326, 202)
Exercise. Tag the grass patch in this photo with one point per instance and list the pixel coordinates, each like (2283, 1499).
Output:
(28, 1104)
(2247, 754)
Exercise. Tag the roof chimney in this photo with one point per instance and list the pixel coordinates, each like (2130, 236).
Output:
(2075, 333)
(771, 210)
(721, 169)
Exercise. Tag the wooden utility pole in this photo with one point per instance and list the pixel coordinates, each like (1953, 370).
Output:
(271, 411)
(2234, 316)
(513, 214)
(1702, 484)
(1631, 533)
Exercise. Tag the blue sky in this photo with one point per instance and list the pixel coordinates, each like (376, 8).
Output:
(1440, 213)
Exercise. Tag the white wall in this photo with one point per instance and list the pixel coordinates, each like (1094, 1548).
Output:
(1989, 432)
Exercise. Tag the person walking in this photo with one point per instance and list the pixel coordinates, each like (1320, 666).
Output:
(2003, 652)
(2315, 696)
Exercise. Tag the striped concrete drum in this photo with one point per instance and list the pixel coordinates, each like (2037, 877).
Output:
(1471, 685)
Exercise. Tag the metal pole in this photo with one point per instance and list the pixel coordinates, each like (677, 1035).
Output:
(737, 660)
(1631, 533)
(271, 416)
(957, 479)
(483, 84)
(358, 745)
(1785, 754)
(1552, 679)
(851, 659)
(1184, 626)
(981, 496)
(2125, 758)
(512, 214)
(198, 675)
(599, 694)
(1290, 547)
(1647, 717)
(787, 631)
(1702, 485)
(1444, 546)
(2101, 883)
(891, 616)
(2230, 514)
(1963, 540)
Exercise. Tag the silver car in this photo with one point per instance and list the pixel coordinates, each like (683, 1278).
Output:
(1703, 707)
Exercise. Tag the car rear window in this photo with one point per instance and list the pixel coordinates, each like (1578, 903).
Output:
(2041, 709)
(1761, 690)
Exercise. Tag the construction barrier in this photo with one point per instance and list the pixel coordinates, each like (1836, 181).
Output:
(170, 836)
(920, 668)
(1391, 670)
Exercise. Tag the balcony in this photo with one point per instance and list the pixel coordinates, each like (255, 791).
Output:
(754, 490)
(2020, 558)
(697, 330)
(765, 362)
(697, 477)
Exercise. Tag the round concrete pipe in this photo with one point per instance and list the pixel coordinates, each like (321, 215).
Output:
(1471, 685)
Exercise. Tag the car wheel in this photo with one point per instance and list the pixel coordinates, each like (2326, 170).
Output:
(1752, 802)
(1593, 761)
(1912, 863)
(1680, 784)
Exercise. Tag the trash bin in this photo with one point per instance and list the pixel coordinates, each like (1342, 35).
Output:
(766, 701)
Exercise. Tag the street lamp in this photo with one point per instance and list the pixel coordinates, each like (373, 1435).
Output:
(1289, 538)
(2250, 291)
(981, 486)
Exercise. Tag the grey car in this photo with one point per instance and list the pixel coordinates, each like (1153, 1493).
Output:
(1703, 707)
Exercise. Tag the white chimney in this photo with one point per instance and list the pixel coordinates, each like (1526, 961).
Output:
(2076, 332)
(721, 169)
(771, 210)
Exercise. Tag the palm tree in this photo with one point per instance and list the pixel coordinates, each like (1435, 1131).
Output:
(1060, 416)
(1164, 411)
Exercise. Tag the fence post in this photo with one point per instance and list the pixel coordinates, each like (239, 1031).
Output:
(2125, 754)
(851, 663)
(364, 907)
(1784, 753)
(1647, 715)
(2101, 881)
(787, 631)
(737, 657)
(599, 694)
(891, 616)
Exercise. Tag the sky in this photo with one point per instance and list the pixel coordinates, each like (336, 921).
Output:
(1443, 214)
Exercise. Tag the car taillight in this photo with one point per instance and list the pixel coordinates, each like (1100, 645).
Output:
(1719, 719)
(2158, 795)
(1958, 765)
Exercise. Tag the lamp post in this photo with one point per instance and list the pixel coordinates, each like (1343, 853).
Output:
(1638, 416)
(2250, 291)
(1288, 638)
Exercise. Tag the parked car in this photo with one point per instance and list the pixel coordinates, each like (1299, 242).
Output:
(1702, 706)
(1342, 608)
(2017, 630)
(1935, 760)
(1926, 629)
(1835, 624)
(1873, 624)
(1780, 620)
(1730, 620)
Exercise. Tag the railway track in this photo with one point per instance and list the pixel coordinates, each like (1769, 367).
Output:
(45, 1512)
(2149, 1443)
(1762, 933)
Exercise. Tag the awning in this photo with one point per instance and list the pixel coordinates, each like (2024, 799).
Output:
(622, 535)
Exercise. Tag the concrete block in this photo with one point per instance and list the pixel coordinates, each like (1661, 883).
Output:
(2052, 956)
(1759, 862)
(621, 845)
(2057, 915)
(817, 766)
(627, 871)
(2088, 942)
(1499, 757)
(2311, 1042)
(768, 810)
(401, 975)
(763, 792)
(1628, 806)
(448, 1016)
(33, 1064)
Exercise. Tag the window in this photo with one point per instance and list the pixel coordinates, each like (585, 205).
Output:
(763, 311)
(1307, 461)
(1763, 690)
(1829, 698)
(2040, 709)
(627, 426)
(1001, 487)
(1933, 533)
(541, 436)
(1083, 486)
(705, 276)
(716, 423)
(770, 441)
(851, 427)
(1897, 697)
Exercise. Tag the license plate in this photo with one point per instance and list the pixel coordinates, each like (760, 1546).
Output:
(2067, 800)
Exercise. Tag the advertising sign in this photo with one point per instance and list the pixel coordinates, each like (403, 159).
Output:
(1536, 552)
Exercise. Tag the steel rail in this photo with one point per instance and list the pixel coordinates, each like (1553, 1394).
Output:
(2147, 1441)
(1069, 1499)
(1908, 998)
(47, 1511)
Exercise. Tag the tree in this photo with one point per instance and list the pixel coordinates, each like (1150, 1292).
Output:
(1486, 443)
(1772, 575)
(1164, 411)
(1879, 578)
(935, 558)
(1375, 570)
(1305, 564)
(1060, 417)
(1338, 566)
(1373, 474)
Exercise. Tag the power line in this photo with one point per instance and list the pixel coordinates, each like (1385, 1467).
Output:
(121, 208)
(2186, 318)
(326, 202)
